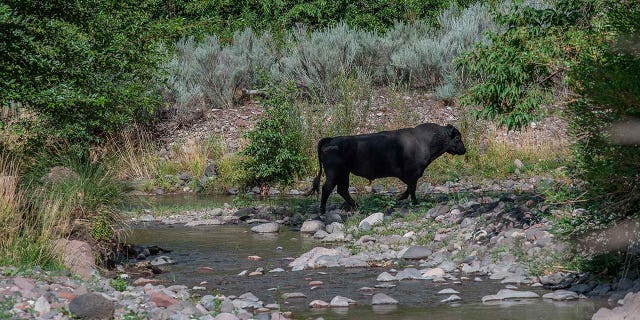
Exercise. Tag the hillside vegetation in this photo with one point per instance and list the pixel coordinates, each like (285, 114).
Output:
(75, 77)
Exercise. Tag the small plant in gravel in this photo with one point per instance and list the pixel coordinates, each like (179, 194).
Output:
(118, 284)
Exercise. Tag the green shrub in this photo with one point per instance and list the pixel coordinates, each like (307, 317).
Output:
(79, 69)
(275, 148)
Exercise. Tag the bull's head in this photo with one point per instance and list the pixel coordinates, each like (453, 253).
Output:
(456, 146)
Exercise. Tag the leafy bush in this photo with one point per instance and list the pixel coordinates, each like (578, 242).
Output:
(519, 72)
(275, 148)
(78, 69)
(607, 80)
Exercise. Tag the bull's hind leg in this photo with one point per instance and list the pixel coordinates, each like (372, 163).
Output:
(343, 190)
(327, 188)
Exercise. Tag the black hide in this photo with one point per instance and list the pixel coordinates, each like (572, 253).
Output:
(403, 154)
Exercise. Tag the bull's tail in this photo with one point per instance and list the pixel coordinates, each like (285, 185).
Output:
(315, 187)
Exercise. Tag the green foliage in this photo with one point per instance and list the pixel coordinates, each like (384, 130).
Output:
(376, 203)
(119, 284)
(520, 70)
(275, 148)
(224, 18)
(79, 69)
(607, 81)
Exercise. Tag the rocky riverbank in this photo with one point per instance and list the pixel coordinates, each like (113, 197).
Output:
(451, 239)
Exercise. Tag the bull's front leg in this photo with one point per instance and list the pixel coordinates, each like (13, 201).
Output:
(411, 191)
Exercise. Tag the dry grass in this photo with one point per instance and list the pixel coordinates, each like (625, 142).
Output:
(132, 154)
(27, 236)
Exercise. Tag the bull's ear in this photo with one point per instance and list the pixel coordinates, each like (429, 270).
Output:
(451, 130)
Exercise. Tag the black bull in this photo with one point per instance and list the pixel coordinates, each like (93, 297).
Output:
(403, 153)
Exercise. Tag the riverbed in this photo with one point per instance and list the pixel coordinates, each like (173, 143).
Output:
(225, 249)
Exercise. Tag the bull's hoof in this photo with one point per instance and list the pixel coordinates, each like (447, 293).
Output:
(347, 207)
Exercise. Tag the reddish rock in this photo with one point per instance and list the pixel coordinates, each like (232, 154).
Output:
(65, 295)
(162, 300)
(254, 258)
(316, 283)
(144, 281)
(205, 269)
(77, 257)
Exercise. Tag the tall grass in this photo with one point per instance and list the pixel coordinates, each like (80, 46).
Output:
(35, 209)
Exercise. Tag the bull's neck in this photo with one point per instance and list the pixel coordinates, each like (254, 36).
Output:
(437, 149)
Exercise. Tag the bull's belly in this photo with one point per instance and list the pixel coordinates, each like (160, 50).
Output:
(371, 175)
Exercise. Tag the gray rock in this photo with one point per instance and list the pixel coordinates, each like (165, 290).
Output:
(451, 298)
(318, 304)
(327, 261)
(226, 316)
(352, 262)
(417, 252)
(335, 227)
(448, 291)
(320, 234)
(227, 306)
(381, 298)
(385, 276)
(373, 219)
(340, 302)
(91, 306)
(432, 273)
(332, 216)
(630, 309)
(601, 289)
(553, 279)
(209, 302)
(311, 226)
(185, 176)
(42, 306)
(293, 295)
(271, 227)
(516, 280)
(210, 170)
(438, 211)
(409, 273)
(508, 294)
(581, 288)
(161, 261)
(334, 237)
(561, 295)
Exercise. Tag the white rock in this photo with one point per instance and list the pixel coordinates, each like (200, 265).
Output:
(340, 302)
(506, 294)
(433, 273)
(448, 291)
(385, 276)
(318, 304)
(311, 226)
(381, 298)
(451, 298)
(373, 219)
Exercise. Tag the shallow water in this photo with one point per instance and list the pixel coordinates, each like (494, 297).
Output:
(226, 248)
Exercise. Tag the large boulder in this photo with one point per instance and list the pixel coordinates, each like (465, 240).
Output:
(77, 256)
(91, 306)
(417, 252)
(629, 310)
(271, 227)
(312, 226)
